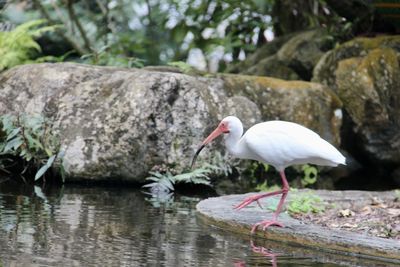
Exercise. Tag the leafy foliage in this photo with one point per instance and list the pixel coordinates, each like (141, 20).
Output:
(103, 57)
(126, 33)
(310, 175)
(397, 193)
(220, 166)
(19, 46)
(164, 182)
(305, 203)
(182, 66)
(155, 31)
(30, 138)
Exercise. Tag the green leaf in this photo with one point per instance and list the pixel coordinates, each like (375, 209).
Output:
(33, 142)
(13, 133)
(310, 175)
(13, 144)
(45, 167)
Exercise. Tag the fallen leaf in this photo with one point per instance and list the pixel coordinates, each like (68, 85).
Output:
(349, 225)
(394, 212)
(334, 225)
(376, 201)
(345, 213)
(366, 210)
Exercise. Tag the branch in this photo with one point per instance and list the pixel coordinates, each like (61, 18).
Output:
(80, 50)
(74, 18)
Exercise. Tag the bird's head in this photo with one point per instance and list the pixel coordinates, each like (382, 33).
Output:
(224, 127)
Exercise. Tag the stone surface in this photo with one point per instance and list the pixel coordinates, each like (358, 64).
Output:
(290, 57)
(310, 104)
(117, 124)
(369, 88)
(219, 212)
(365, 73)
(324, 71)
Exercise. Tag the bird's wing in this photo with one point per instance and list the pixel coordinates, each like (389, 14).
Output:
(284, 144)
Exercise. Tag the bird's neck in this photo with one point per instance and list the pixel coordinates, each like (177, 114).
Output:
(232, 143)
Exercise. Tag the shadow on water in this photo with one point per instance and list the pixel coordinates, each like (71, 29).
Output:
(119, 226)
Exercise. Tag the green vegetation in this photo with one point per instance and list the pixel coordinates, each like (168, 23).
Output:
(103, 57)
(397, 193)
(183, 67)
(164, 182)
(123, 33)
(256, 169)
(306, 203)
(19, 46)
(28, 137)
(310, 175)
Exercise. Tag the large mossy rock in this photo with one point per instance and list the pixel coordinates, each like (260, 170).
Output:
(117, 124)
(324, 71)
(365, 73)
(290, 57)
(310, 104)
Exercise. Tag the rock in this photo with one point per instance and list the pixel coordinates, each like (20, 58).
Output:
(369, 89)
(365, 73)
(303, 51)
(267, 50)
(272, 67)
(117, 124)
(219, 212)
(324, 71)
(294, 59)
(309, 104)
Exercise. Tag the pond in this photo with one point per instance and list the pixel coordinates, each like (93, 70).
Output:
(77, 225)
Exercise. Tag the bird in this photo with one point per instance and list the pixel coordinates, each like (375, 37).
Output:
(277, 143)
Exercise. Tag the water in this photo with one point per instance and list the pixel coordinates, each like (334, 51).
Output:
(85, 226)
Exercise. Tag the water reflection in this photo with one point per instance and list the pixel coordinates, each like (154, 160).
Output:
(86, 226)
(260, 250)
(265, 252)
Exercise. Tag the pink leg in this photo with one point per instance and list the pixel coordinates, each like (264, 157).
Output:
(248, 200)
(265, 224)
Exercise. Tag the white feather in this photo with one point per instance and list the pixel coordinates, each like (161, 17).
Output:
(280, 144)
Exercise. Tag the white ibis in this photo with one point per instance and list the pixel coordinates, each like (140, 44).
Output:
(277, 143)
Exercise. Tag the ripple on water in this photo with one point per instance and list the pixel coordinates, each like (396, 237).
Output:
(83, 226)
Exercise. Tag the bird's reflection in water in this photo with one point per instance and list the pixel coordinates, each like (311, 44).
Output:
(261, 250)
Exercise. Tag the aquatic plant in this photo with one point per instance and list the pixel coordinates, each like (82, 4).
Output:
(30, 138)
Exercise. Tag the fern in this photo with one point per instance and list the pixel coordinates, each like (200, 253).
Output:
(163, 183)
(19, 46)
(160, 182)
(197, 176)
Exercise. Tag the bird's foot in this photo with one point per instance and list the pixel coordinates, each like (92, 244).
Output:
(265, 224)
(247, 201)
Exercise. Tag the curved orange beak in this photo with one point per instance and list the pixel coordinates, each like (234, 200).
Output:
(211, 137)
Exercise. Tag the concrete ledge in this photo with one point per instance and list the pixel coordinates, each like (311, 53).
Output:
(219, 211)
